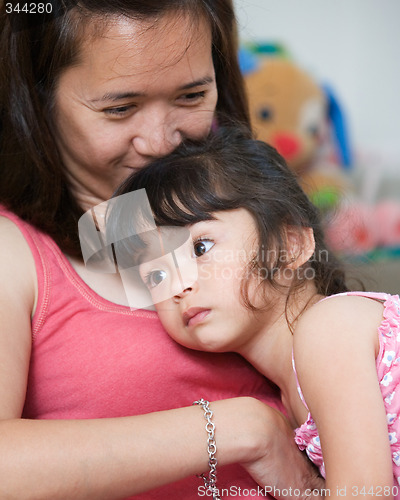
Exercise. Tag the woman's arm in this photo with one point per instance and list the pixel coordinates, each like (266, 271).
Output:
(113, 458)
(335, 346)
(116, 458)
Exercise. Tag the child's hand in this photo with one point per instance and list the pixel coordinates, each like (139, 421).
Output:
(279, 466)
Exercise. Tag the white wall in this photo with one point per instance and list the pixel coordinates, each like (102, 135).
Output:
(354, 45)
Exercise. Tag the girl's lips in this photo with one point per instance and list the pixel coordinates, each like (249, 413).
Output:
(195, 315)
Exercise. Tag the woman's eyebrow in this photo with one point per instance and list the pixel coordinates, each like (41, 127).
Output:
(117, 96)
(197, 83)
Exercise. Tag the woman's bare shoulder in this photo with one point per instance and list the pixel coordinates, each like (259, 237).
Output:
(17, 303)
(17, 266)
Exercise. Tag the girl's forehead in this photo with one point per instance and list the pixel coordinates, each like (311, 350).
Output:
(237, 220)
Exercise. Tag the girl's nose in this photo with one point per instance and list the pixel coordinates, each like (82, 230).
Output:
(187, 291)
(157, 135)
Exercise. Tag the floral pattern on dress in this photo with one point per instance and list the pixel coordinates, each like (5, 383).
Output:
(388, 371)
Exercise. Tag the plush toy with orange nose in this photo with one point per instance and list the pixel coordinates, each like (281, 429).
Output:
(301, 119)
(287, 110)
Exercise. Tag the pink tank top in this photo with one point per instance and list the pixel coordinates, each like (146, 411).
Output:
(92, 358)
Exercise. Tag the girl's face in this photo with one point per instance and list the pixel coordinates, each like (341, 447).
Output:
(209, 313)
(136, 92)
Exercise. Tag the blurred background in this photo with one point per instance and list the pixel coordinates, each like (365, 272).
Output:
(341, 57)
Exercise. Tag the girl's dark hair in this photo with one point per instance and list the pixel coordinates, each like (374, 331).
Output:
(228, 171)
(33, 55)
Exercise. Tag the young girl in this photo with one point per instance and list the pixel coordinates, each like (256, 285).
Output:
(267, 288)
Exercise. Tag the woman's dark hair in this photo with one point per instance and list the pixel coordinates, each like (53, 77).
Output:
(228, 171)
(35, 49)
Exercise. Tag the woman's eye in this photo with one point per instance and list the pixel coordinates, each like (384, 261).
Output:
(201, 247)
(193, 97)
(154, 278)
(119, 111)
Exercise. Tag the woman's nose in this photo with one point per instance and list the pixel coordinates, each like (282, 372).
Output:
(157, 136)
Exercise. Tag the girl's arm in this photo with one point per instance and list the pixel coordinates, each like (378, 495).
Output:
(114, 458)
(335, 346)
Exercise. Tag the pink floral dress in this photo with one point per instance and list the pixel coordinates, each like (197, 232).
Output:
(388, 370)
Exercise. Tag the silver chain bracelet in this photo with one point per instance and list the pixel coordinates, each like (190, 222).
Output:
(210, 482)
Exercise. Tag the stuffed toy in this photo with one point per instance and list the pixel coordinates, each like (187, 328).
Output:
(301, 119)
(287, 110)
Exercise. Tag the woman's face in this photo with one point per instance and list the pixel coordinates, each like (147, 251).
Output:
(136, 92)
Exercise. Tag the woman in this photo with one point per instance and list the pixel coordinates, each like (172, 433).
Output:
(90, 93)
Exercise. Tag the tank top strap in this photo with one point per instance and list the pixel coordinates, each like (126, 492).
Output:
(371, 295)
(298, 384)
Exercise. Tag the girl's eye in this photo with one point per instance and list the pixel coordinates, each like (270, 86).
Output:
(154, 278)
(201, 247)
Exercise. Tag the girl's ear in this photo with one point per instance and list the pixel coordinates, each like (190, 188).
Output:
(300, 245)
